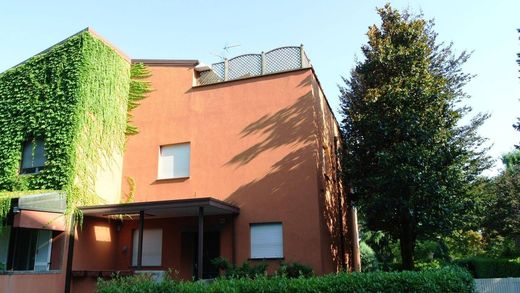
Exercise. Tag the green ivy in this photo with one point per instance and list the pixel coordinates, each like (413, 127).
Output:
(76, 96)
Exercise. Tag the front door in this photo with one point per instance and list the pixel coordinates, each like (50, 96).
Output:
(211, 250)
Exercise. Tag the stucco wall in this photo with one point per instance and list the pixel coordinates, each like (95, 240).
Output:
(253, 143)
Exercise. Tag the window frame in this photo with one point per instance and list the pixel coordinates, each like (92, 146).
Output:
(159, 166)
(251, 257)
(34, 169)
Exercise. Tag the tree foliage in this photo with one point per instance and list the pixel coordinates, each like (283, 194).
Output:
(408, 157)
(503, 215)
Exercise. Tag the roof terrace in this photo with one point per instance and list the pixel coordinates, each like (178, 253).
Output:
(249, 65)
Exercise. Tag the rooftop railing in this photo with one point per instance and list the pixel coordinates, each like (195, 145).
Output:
(250, 65)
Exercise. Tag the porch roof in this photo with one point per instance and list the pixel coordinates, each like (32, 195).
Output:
(164, 208)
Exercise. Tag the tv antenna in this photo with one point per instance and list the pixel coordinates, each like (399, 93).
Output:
(225, 51)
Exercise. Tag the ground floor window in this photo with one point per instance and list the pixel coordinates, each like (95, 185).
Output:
(266, 240)
(25, 249)
(152, 247)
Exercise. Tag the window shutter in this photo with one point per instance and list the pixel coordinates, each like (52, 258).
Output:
(152, 247)
(266, 240)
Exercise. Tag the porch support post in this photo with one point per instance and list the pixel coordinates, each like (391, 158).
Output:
(140, 242)
(70, 254)
(200, 244)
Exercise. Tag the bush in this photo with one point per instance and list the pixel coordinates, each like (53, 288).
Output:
(369, 261)
(481, 267)
(450, 279)
(237, 272)
(428, 265)
(294, 270)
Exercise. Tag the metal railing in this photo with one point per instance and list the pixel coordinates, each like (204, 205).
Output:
(250, 65)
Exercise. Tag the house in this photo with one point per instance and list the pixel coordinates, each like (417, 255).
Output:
(237, 160)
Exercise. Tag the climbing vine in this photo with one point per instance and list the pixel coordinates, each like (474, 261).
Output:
(139, 88)
(76, 96)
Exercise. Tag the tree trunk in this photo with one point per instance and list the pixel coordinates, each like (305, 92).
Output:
(517, 242)
(407, 241)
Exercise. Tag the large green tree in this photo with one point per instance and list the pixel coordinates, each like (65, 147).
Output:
(408, 157)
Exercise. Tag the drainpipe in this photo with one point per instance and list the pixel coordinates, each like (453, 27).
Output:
(200, 244)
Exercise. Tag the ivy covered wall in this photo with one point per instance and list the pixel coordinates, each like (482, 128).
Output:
(75, 97)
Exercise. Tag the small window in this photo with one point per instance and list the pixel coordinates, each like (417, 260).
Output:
(152, 247)
(266, 241)
(174, 161)
(33, 156)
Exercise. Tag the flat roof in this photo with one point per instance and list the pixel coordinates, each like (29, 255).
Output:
(164, 209)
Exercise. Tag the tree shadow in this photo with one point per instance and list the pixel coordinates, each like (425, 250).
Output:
(293, 191)
(292, 125)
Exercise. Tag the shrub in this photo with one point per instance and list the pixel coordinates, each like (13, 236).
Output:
(369, 261)
(450, 279)
(428, 265)
(294, 270)
(244, 271)
(481, 267)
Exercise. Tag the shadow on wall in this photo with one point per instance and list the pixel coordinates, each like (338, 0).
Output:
(292, 125)
(288, 187)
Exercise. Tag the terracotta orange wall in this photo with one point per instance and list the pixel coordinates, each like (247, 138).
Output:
(40, 220)
(333, 205)
(173, 256)
(30, 283)
(94, 248)
(253, 143)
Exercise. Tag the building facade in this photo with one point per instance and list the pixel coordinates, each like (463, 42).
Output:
(236, 160)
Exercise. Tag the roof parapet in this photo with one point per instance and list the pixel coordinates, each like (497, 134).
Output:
(250, 65)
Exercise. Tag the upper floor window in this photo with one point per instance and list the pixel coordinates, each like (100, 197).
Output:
(33, 156)
(174, 161)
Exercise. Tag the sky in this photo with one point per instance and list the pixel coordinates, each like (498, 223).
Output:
(332, 33)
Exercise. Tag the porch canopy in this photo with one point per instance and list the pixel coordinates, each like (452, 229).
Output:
(199, 207)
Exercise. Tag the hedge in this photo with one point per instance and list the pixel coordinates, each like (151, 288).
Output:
(481, 267)
(450, 279)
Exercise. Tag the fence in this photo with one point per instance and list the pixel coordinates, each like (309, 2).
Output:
(498, 285)
(249, 65)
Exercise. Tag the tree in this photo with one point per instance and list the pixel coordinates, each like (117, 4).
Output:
(503, 215)
(408, 159)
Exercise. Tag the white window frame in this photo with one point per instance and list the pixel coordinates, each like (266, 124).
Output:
(266, 240)
(151, 257)
(174, 161)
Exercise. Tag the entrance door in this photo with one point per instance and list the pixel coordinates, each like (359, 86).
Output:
(211, 250)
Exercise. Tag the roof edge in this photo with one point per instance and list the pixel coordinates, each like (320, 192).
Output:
(87, 29)
(96, 35)
(167, 62)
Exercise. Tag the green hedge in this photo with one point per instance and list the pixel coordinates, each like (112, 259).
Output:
(481, 267)
(451, 279)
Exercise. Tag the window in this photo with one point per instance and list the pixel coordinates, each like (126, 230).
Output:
(33, 156)
(152, 247)
(5, 233)
(266, 240)
(31, 250)
(174, 161)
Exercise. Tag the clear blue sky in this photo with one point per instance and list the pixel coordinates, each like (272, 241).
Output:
(332, 32)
